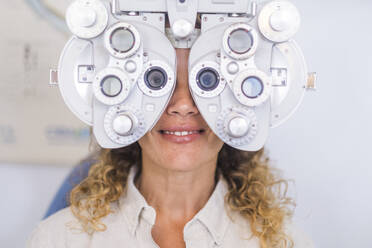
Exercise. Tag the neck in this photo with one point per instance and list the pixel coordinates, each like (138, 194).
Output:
(178, 195)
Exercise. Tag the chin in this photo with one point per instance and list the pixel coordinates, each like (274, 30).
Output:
(171, 154)
(182, 161)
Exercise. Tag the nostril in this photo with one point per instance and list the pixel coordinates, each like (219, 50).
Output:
(182, 108)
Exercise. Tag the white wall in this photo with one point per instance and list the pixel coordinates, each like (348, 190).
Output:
(324, 147)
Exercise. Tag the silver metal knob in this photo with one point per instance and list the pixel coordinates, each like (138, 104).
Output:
(182, 28)
(130, 66)
(279, 20)
(87, 17)
(122, 125)
(282, 20)
(238, 126)
(233, 67)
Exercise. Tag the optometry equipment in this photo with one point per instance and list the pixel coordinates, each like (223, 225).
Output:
(246, 73)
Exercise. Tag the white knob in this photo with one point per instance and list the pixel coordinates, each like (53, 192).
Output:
(130, 66)
(238, 127)
(85, 17)
(282, 20)
(122, 124)
(233, 67)
(182, 28)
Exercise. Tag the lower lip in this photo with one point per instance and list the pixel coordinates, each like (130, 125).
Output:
(181, 139)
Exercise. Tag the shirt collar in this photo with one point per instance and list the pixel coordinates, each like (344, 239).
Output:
(133, 203)
(213, 215)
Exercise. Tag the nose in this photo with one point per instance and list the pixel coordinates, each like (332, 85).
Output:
(181, 103)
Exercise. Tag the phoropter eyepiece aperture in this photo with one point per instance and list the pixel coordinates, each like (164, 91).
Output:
(208, 79)
(155, 78)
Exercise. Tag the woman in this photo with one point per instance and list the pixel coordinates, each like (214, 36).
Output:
(179, 186)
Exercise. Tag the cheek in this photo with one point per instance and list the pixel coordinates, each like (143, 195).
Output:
(152, 148)
(214, 143)
(202, 153)
(147, 143)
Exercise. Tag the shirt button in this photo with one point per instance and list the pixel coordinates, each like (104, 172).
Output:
(149, 214)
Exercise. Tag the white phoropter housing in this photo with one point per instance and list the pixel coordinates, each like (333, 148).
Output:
(246, 74)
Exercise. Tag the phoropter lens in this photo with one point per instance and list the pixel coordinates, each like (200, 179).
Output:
(240, 41)
(252, 87)
(208, 79)
(122, 40)
(111, 86)
(156, 78)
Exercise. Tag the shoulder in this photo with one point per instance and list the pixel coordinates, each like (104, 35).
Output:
(240, 228)
(63, 229)
(58, 230)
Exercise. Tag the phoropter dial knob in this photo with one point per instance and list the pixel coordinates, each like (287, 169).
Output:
(87, 18)
(182, 28)
(237, 126)
(122, 124)
(279, 21)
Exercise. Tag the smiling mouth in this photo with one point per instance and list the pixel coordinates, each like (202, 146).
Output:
(182, 133)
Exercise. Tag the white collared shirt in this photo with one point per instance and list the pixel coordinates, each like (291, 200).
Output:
(131, 223)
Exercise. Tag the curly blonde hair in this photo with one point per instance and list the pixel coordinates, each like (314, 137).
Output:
(255, 190)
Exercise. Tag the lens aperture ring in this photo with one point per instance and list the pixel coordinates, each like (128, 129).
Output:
(252, 87)
(122, 40)
(240, 41)
(111, 86)
(205, 79)
(157, 79)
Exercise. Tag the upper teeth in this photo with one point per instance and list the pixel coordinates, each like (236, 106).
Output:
(179, 133)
